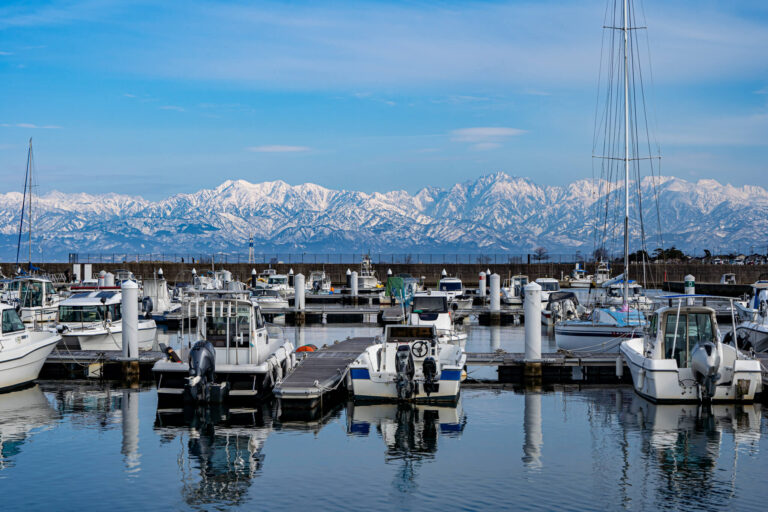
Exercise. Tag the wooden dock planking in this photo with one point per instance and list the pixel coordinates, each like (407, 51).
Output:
(321, 372)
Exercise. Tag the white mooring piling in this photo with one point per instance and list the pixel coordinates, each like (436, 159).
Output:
(532, 307)
(495, 292)
(481, 284)
(130, 312)
(690, 287)
(353, 283)
(298, 301)
(101, 278)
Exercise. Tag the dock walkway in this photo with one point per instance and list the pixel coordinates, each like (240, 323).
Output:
(320, 373)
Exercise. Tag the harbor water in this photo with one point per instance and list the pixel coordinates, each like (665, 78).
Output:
(83, 445)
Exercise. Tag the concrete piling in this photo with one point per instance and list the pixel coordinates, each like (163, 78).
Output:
(532, 307)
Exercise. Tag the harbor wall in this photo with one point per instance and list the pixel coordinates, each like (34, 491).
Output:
(655, 273)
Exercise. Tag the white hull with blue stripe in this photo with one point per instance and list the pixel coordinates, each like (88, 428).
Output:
(410, 364)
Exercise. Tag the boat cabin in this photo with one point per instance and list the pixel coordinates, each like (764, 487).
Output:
(616, 290)
(548, 284)
(673, 333)
(32, 292)
(237, 330)
(91, 307)
(278, 282)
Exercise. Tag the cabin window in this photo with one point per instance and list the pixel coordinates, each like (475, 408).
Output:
(11, 321)
(653, 325)
(676, 347)
(429, 305)
(49, 289)
(699, 328)
(31, 294)
(239, 326)
(76, 314)
(550, 287)
(116, 312)
(450, 287)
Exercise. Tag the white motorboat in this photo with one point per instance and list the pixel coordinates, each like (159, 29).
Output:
(279, 283)
(614, 295)
(602, 330)
(752, 331)
(454, 290)
(410, 364)
(35, 297)
(319, 282)
(512, 290)
(748, 310)
(682, 358)
(432, 308)
(367, 279)
(548, 285)
(269, 298)
(579, 278)
(602, 273)
(235, 359)
(22, 350)
(93, 321)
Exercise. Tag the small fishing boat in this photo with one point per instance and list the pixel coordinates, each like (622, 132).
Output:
(579, 278)
(35, 297)
(512, 290)
(269, 298)
(682, 358)
(548, 285)
(454, 290)
(319, 282)
(235, 359)
(614, 295)
(602, 273)
(366, 278)
(432, 308)
(22, 350)
(410, 364)
(94, 321)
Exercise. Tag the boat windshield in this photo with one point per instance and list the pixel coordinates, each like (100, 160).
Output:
(692, 328)
(75, 314)
(277, 280)
(429, 305)
(216, 328)
(549, 286)
(11, 321)
(450, 286)
(31, 294)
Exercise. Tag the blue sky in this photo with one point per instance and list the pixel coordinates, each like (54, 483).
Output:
(154, 98)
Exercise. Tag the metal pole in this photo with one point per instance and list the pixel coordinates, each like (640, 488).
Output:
(626, 161)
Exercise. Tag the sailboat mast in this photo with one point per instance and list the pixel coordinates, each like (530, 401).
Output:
(29, 217)
(626, 160)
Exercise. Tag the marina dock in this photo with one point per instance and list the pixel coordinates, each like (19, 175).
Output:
(320, 373)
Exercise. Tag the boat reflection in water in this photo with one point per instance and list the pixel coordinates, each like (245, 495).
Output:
(223, 446)
(410, 431)
(22, 414)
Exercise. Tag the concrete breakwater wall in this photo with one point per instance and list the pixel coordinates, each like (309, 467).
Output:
(655, 274)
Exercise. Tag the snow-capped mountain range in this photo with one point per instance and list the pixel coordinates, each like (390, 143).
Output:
(495, 213)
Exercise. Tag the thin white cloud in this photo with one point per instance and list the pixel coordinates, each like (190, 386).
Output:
(277, 149)
(30, 125)
(485, 134)
(5, 53)
(764, 90)
(127, 95)
(175, 108)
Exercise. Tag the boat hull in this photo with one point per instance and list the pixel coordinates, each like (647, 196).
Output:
(660, 380)
(106, 339)
(20, 365)
(593, 338)
(370, 388)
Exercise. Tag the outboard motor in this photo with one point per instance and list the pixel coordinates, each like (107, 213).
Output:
(146, 303)
(405, 371)
(202, 369)
(429, 367)
(705, 361)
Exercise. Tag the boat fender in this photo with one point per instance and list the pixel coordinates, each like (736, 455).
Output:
(640, 378)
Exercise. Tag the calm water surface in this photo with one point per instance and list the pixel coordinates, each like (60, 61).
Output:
(75, 446)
